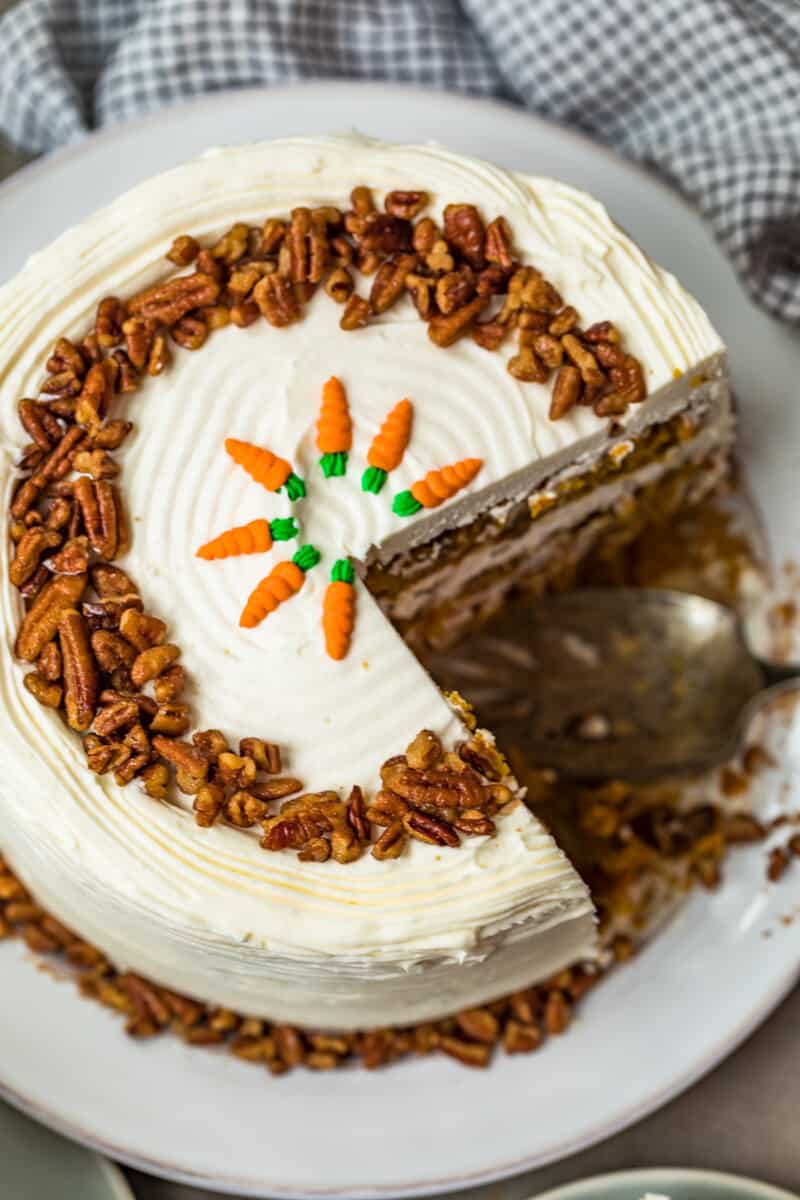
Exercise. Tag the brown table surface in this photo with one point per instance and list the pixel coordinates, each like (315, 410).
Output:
(744, 1117)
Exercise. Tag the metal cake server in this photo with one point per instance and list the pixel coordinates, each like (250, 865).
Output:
(623, 682)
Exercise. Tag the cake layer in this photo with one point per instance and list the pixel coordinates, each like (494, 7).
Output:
(206, 909)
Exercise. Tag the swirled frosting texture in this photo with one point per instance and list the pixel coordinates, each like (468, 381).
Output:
(207, 910)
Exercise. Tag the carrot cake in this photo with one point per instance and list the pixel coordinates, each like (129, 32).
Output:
(272, 423)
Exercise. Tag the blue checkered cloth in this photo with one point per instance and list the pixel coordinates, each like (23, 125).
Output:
(705, 91)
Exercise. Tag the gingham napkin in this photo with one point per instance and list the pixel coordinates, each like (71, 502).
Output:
(707, 91)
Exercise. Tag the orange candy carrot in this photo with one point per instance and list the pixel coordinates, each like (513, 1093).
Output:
(436, 487)
(334, 429)
(253, 538)
(388, 446)
(266, 468)
(284, 580)
(339, 609)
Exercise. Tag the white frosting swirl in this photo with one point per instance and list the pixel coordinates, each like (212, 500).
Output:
(207, 910)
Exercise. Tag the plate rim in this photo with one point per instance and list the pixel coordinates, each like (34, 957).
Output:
(759, 1010)
(650, 1177)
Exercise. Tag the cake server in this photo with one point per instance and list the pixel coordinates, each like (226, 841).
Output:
(626, 682)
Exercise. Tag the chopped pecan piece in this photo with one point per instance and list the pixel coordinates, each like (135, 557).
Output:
(345, 845)
(439, 788)
(489, 334)
(166, 303)
(245, 313)
(266, 755)
(361, 200)
(81, 680)
(434, 830)
(182, 755)
(190, 331)
(470, 1054)
(112, 583)
(212, 742)
(111, 650)
(386, 808)
(72, 559)
(172, 719)
(46, 691)
(272, 235)
(35, 542)
(244, 810)
(232, 245)
(339, 285)
(356, 313)
(601, 331)
(385, 234)
(155, 780)
(48, 664)
(445, 330)
(421, 288)
(112, 434)
(39, 424)
(425, 750)
(454, 289)
(498, 243)
(170, 684)
(390, 280)
(41, 622)
(479, 1025)
(566, 392)
(183, 250)
(425, 236)
(316, 850)
(95, 463)
(138, 341)
(96, 393)
(150, 663)
(357, 815)
(276, 301)
(405, 204)
(66, 357)
(464, 230)
(527, 366)
(391, 842)
(98, 508)
(549, 350)
(142, 630)
(108, 322)
(583, 359)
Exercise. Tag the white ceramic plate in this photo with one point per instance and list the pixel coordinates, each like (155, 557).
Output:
(674, 1182)
(648, 1032)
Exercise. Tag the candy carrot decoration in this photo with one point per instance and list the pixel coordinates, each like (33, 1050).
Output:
(334, 429)
(339, 609)
(436, 487)
(283, 581)
(266, 468)
(253, 538)
(388, 446)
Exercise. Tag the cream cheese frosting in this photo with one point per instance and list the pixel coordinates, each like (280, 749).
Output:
(207, 910)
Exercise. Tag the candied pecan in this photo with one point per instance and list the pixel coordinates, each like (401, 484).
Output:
(62, 386)
(31, 457)
(46, 691)
(48, 664)
(232, 245)
(490, 335)
(438, 788)
(439, 259)
(95, 463)
(387, 808)
(33, 587)
(345, 846)
(405, 204)
(138, 341)
(308, 250)
(389, 282)
(211, 741)
(611, 404)
(39, 424)
(242, 282)
(521, 1037)
(385, 234)
(127, 376)
(81, 680)
(151, 662)
(601, 331)
(563, 322)
(142, 630)
(421, 288)
(470, 1054)
(293, 832)
(184, 249)
(498, 243)
(549, 349)
(454, 289)
(108, 322)
(583, 359)
(112, 717)
(216, 316)
(35, 542)
(41, 622)
(391, 842)
(236, 768)
(479, 1025)
(169, 684)
(356, 313)
(172, 719)
(72, 558)
(557, 1012)
(245, 313)
(445, 330)
(475, 824)
(430, 829)
(464, 230)
(182, 755)
(112, 434)
(743, 828)
(266, 755)
(339, 285)
(357, 814)
(425, 235)
(367, 261)
(566, 392)
(166, 302)
(425, 750)
(316, 850)
(98, 507)
(628, 378)
(276, 301)
(26, 495)
(272, 235)
(361, 200)
(59, 461)
(190, 331)
(66, 357)
(244, 810)
(341, 251)
(96, 393)
(527, 366)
